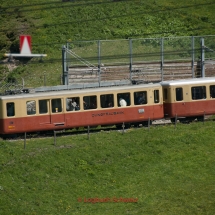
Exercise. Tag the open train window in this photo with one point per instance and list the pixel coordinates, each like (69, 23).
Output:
(31, 107)
(56, 105)
(43, 107)
(89, 102)
(140, 97)
(107, 101)
(123, 99)
(198, 92)
(10, 109)
(179, 94)
(156, 96)
(72, 104)
(212, 91)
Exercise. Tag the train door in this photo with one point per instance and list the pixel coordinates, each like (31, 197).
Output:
(56, 111)
(158, 104)
(181, 107)
(44, 111)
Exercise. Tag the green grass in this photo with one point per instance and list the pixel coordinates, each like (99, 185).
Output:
(169, 171)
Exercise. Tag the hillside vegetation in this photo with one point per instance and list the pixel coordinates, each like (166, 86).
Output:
(53, 23)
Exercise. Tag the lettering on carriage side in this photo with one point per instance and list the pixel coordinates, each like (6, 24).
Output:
(107, 113)
(141, 110)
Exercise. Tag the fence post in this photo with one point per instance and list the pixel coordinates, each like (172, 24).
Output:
(65, 68)
(54, 138)
(123, 127)
(203, 57)
(25, 141)
(192, 55)
(130, 51)
(99, 62)
(88, 132)
(175, 120)
(162, 59)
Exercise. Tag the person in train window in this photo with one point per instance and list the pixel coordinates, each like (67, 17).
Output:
(68, 104)
(85, 105)
(73, 104)
(110, 105)
(77, 107)
(122, 102)
(93, 104)
(141, 99)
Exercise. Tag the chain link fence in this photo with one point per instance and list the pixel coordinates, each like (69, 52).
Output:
(143, 60)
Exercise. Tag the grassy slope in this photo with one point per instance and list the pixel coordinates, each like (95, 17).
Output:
(169, 171)
(51, 28)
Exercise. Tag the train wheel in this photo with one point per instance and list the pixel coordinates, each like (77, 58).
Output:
(172, 120)
(127, 125)
(136, 125)
(146, 123)
(183, 120)
(200, 118)
(119, 126)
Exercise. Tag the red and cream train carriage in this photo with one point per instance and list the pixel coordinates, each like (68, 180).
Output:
(79, 108)
(189, 99)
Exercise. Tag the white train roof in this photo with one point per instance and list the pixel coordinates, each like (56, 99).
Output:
(188, 81)
(75, 92)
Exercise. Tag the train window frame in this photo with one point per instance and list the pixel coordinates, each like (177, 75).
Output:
(44, 108)
(156, 96)
(90, 102)
(56, 105)
(107, 100)
(10, 107)
(198, 95)
(140, 100)
(212, 91)
(123, 99)
(179, 94)
(31, 107)
(72, 104)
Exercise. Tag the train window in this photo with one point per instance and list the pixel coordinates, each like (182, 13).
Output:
(179, 94)
(198, 92)
(56, 105)
(212, 91)
(123, 99)
(43, 107)
(140, 97)
(156, 96)
(106, 101)
(89, 102)
(31, 107)
(72, 104)
(10, 109)
(165, 94)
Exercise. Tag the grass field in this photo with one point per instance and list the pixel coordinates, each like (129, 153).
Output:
(163, 171)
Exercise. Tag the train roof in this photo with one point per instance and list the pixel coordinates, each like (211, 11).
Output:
(188, 81)
(79, 91)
